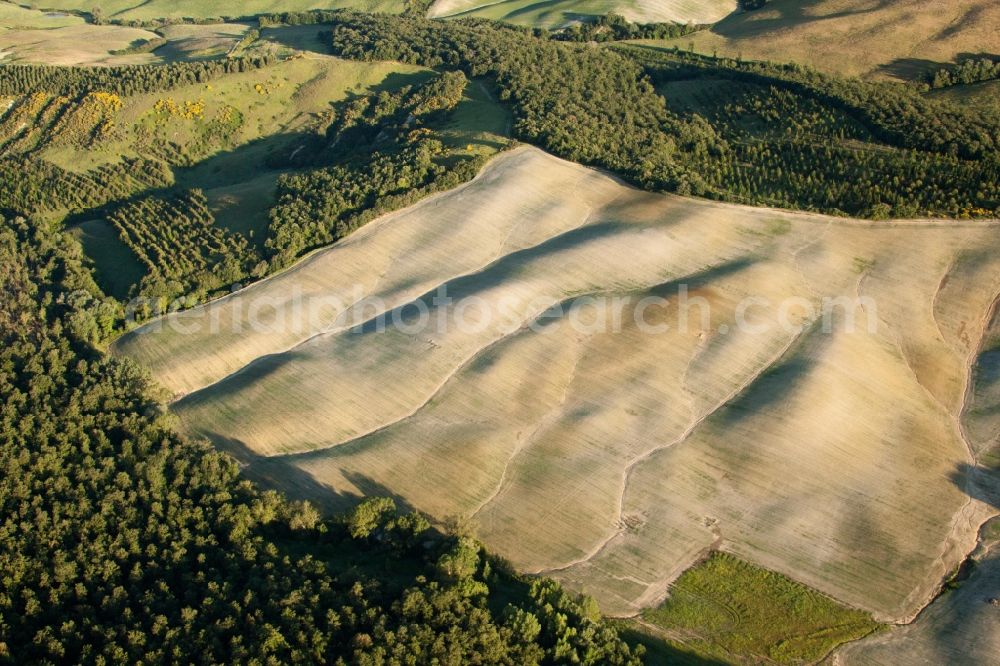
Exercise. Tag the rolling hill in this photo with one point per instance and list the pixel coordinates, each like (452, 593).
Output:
(614, 460)
(559, 13)
(883, 39)
(516, 409)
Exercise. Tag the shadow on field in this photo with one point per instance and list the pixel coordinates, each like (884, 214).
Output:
(280, 473)
(978, 483)
(918, 69)
(790, 13)
(910, 69)
(313, 38)
(659, 651)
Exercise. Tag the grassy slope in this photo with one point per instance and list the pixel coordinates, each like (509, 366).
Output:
(725, 608)
(984, 95)
(14, 16)
(199, 42)
(556, 13)
(829, 458)
(239, 185)
(896, 38)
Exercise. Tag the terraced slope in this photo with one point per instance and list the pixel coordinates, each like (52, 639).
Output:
(613, 456)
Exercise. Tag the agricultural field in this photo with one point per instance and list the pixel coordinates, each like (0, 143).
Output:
(959, 627)
(77, 44)
(894, 39)
(561, 12)
(836, 456)
(128, 10)
(54, 38)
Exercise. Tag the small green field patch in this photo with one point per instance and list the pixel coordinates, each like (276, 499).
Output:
(754, 614)
(480, 124)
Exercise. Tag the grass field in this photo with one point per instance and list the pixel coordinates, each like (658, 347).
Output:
(613, 460)
(890, 39)
(727, 609)
(15, 17)
(557, 13)
(199, 42)
(984, 95)
(480, 124)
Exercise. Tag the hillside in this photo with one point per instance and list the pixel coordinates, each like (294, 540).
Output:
(126, 10)
(889, 39)
(558, 14)
(959, 627)
(612, 461)
(229, 139)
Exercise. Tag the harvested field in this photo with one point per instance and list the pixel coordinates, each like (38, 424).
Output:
(614, 459)
(78, 44)
(896, 39)
(559, 13)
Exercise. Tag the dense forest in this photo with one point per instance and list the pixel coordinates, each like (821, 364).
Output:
(120, 80)
(598, 106)
(124, 543)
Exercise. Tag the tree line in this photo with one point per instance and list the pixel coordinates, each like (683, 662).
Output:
(599, 106)
(372, 155)
(123, 79)
(615, 27)
(967, 72)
